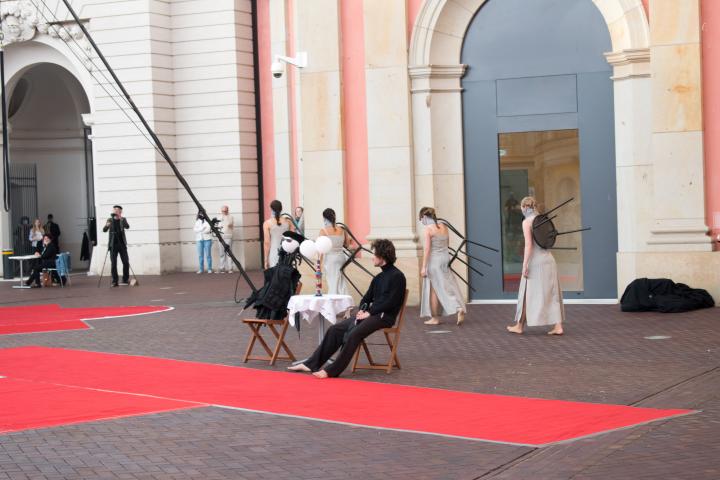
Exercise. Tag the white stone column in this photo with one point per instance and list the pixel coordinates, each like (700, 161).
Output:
(215, 129)
(389, 127)
(128, 170)
(633, 158)
(281, 105)
(677, 142)
(320, 105)
(438, 140)
(438, 143)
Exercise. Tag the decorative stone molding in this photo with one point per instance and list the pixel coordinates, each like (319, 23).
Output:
(436, 78)
(630, 63)
(20, 21)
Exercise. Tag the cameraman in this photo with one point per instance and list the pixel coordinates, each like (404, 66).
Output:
(117, 244)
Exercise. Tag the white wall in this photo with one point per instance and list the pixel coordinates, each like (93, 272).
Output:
(188, 65)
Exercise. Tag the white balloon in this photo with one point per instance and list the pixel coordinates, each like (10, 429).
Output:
(308, 249)
(290, 245)
(323, 244)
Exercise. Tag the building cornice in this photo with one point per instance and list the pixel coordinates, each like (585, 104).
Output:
(630, 63)
(436, 78)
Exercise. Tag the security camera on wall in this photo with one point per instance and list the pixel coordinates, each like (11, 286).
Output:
(277, 68)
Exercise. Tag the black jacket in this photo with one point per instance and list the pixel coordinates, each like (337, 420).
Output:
(117, 232)
(663, 295)
(48, 255)
(386, 293)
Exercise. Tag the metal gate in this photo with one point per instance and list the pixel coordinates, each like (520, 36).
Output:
(23, 204)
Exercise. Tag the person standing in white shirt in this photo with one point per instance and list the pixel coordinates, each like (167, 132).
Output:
(203, 237)
(227, 224)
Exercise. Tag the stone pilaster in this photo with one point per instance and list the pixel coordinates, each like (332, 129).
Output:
(677, 140)
(321, 137)
(282, 122)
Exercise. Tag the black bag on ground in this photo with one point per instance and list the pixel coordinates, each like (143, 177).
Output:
(663, 295)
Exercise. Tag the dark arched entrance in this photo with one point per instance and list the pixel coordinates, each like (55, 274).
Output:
(538, 120)
(51, 156)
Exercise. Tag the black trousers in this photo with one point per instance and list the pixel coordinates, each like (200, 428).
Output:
(38, 266)
(334, 340)
(114, 252)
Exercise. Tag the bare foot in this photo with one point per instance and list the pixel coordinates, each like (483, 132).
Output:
(460, 317)
(556, 331)
(320, 374)
(432, 321)
(515, 329)
(300, 367)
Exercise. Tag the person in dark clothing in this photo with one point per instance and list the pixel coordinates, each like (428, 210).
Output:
(378, 309)
(117, 244)
(53, 229)
(45, 259)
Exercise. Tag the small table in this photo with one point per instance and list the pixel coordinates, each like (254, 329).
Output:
(326, 307)
(21, 259)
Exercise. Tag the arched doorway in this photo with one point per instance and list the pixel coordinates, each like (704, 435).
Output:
(51, 168)
(538, 120)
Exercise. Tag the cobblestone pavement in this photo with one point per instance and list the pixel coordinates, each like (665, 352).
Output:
(603, 358)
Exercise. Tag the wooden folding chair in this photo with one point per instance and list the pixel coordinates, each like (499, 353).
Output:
(256, 325)
(392, 338)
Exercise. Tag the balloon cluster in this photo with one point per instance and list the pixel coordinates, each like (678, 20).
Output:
(311, 249)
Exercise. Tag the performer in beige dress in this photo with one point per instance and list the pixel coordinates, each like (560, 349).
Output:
(441, 294)
(540, 297)
(335, 258)
(273, 228)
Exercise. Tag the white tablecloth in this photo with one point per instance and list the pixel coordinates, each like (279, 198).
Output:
(310, 306)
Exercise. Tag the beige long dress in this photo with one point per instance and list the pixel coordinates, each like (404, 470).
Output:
(440, 278)
(540, 293)
(276, 232)
(332, 262)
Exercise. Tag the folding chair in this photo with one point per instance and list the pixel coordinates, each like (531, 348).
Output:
(256, 325)
(392, 338)
(62, 268)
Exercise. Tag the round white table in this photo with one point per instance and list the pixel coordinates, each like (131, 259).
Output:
(326, 307)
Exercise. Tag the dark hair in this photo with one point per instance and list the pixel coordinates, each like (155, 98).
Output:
(384, 249)
(329, 215)
(428, 212)
(50, 237)
(276, 207)
(50, 216)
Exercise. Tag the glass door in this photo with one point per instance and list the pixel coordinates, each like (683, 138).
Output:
(544, 165)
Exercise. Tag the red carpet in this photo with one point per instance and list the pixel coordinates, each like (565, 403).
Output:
(49, 318)
(496, 418)
(28, 405)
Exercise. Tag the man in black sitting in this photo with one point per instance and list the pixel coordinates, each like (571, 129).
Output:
(45, 259)
(378, 309)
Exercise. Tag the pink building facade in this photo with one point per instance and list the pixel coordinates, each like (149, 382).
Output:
(378, 123)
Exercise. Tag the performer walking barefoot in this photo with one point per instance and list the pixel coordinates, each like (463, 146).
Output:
(540, 296)
(440, 292)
